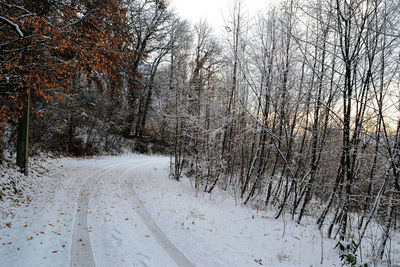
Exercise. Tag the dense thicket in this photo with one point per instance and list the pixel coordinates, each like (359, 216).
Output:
(87, 68)
(50, 48)
(299, 113)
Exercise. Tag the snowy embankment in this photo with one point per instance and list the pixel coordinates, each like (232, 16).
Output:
(124, 211)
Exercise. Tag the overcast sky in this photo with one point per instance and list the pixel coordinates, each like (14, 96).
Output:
(215, 11)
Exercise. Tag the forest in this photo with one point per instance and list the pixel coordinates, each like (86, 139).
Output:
(296, 110)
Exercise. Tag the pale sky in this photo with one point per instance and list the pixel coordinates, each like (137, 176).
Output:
(216, 11)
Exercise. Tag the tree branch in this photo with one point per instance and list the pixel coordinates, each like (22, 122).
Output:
(15, 26)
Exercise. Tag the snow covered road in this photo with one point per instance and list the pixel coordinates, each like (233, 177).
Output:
(112, 240)
(124, 211)
(87, 213)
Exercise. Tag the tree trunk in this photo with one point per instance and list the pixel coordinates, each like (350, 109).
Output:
(23, 137)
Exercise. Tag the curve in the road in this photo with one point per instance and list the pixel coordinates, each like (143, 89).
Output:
(179, 258)
(81, 251)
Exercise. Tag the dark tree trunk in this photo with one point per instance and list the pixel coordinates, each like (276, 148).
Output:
(23, 137)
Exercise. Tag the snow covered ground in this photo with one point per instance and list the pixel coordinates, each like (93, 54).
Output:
(124, 211)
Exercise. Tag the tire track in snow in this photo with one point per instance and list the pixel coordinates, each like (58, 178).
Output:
(81, 251)
(179, 258)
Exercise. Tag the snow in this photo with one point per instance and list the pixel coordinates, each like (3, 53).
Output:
(124, 211)
(243, 235)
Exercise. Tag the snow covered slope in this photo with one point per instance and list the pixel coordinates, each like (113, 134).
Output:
(124, 211)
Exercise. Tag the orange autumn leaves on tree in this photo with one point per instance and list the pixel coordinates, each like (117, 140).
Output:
(45, 44)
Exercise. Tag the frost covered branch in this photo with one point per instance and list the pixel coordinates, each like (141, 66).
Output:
(15, 26)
